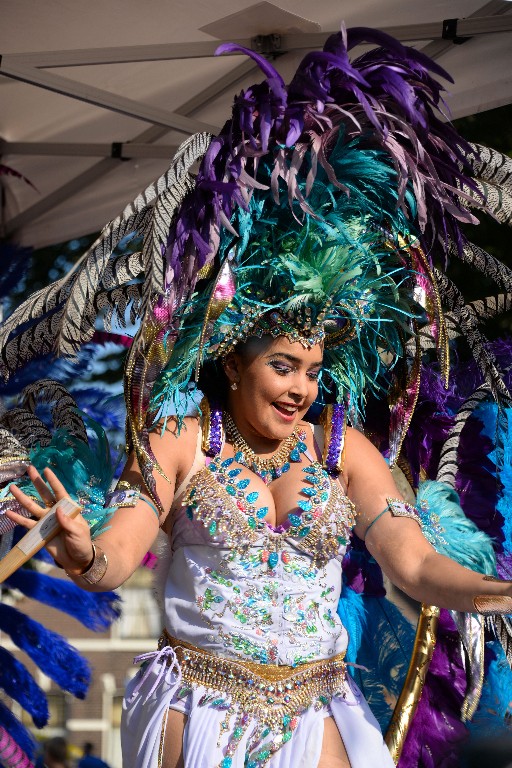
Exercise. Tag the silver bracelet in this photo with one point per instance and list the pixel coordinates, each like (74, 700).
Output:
(97, 568)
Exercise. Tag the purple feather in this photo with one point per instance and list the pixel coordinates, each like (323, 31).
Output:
(436, 735)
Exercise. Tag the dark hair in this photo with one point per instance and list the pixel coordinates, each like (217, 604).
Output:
(213, 382)
(57, 749)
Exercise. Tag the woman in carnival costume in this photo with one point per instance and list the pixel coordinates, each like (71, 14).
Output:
(300, 271)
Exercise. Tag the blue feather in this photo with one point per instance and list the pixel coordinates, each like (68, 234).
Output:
(52, 654)
(17, 731)
(95, 610)
(48, 366)
(385, 651)
(505, 476)
(495, 708)
(19, 684)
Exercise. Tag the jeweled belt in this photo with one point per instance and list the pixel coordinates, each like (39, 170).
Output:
(270, 692)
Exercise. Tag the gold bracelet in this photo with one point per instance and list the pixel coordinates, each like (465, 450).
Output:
(98, 568)
(490, 605)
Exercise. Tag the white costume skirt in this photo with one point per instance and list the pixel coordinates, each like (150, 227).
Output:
(216, 736)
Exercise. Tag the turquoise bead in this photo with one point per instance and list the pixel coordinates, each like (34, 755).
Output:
(295, 454)
(306, 506)
(243, 484)
(262, 512)
(294, 519)
(273, 559)
(226, 762)
(252, 497)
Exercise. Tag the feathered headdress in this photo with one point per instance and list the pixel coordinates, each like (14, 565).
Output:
(333, 204)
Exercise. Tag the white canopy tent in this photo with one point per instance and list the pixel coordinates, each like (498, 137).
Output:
(96, 96)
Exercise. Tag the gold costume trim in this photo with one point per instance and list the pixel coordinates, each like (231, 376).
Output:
(267, 691)
(407, 703)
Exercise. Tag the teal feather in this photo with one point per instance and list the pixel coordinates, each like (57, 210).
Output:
(351, 610)
(344, 253)
(450, 531)
(85, 470)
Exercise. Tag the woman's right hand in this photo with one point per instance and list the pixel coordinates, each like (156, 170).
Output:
(72, 547)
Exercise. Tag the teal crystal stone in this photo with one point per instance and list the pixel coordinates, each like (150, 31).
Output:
(227, 463)
(306, 506)
(212, 527)
(252, 497)
(285, 467)
(262, 512)
(243, 484)
(294, 519)
(295, 454)
(226, 762)
(304, 531)
(252, 522)
(324, 496)
(308, 491)
(231, 490)
(234, 472)
(302, 446)
(273, 559)
(239, 457)
(190, 513)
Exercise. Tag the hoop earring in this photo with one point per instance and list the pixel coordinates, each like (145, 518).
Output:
(234, 386)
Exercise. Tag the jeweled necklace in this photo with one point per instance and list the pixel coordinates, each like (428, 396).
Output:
(267, 468)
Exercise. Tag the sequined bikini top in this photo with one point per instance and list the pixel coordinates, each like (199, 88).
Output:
(321, 528)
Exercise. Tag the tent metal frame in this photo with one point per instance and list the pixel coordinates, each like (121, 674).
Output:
(491, 18)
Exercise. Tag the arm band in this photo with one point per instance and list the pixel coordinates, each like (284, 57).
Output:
(398, 508)
(150, 504)
(375, 520)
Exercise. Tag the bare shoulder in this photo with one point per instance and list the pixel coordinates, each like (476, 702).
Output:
(174, 445)
(362, 459)
(359, 446)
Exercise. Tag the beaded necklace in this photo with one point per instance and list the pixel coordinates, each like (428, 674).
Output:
(274, 466)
